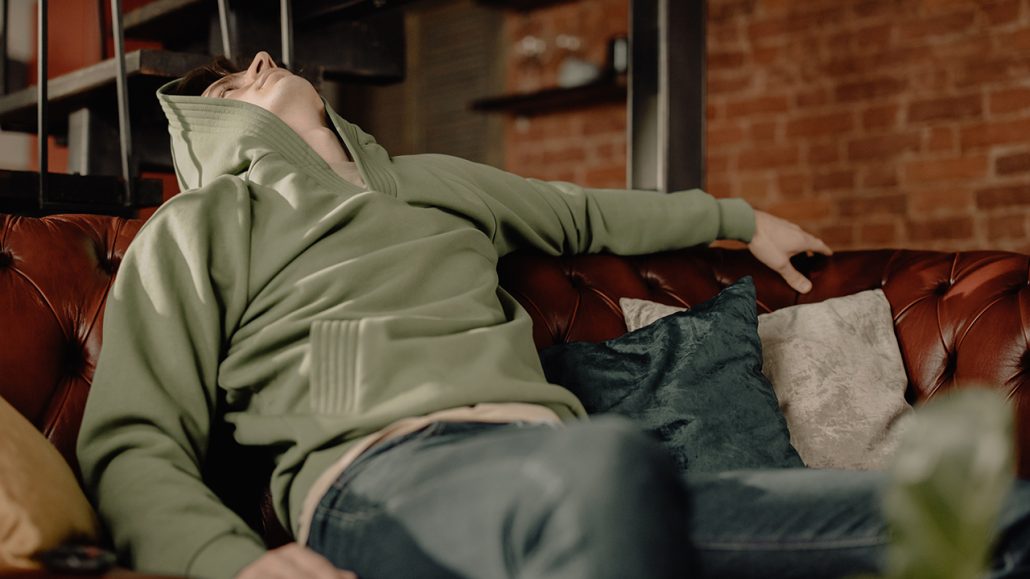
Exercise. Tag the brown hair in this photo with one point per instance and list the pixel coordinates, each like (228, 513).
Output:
(197, 80)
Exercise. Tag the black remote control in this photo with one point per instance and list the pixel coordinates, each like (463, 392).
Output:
(71, 558)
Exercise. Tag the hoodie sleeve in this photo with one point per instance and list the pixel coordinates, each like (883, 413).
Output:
(558, 217)
(176, 298)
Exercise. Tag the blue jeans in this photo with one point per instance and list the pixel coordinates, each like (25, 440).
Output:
(600, 500)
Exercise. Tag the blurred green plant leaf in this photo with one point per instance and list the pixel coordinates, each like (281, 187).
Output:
(947, 484)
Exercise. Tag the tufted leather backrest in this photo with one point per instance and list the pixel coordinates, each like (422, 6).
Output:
(960, 318)
(54, 276)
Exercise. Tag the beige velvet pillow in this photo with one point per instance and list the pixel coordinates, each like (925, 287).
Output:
(41, 504)
(837, 372)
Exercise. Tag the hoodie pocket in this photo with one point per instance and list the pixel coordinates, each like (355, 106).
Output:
(334, 366)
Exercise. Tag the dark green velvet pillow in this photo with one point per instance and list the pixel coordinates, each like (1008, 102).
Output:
(693, 380)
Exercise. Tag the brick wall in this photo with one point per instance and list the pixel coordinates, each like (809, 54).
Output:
(586, 146)
(873, 123)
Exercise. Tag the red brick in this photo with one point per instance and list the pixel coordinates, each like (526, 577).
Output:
(947, 108)
(940, 139)
(725, 135)
(954, 200)
(980, 71)
(792, 185)
(954, 169)
(875, 36)
(768, 157)
(723, 84)
(937, 26)
(755, 186)
(822, 154)
(942, 228)
(836, 235)
(1002, 12)
(834, 180)
(883, 147)
(767, 54)
(880, 117)
(604, 120)
(717, 163)
(997, 133)
(878, 233)
(762, 31)
(1018, 163)
(885, 175)
(612, 150)
(1016, 41)
(821, 125)
(727, 10)
(569, 154)
(724, 60)
(812, 98)
(1006, 227)
(1010, 100)
(764, 131)
(804, 210)
(892, 204)
(869, 89)
(772, 6)
(1007, 196)
(606, 177)
(720, 187)
(758, 105)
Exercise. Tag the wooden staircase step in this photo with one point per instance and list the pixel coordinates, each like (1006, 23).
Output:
(161, 19)
(94, 87)
(19, 193)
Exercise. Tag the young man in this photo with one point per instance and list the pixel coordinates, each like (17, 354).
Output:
(346, 305)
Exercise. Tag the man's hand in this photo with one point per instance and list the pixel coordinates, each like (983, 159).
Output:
(293, 561)
(776, 240)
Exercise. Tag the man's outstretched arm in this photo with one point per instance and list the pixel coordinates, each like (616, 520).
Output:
(558, 217)
(145, 430)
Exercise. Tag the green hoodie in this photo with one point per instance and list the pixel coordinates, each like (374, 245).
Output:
(323, 312)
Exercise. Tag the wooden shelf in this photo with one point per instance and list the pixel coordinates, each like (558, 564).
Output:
(163, 18)
(521, 5)
(95, 86)
(166, 20)
(19, 193)
(608, 90)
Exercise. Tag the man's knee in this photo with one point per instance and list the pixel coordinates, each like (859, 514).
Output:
(612, 462)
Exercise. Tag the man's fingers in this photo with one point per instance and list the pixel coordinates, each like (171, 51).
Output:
(821, 247)
(293, 561)
(314, 565)
(794, 278)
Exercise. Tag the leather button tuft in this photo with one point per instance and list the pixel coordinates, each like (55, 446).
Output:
(109, 265)
(6, 259)
(942, 288)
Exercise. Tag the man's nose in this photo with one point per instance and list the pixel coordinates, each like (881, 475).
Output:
(262, 61)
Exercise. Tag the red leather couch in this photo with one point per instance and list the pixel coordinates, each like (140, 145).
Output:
(960, 318)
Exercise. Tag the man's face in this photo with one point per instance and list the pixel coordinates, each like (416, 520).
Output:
(277, 90)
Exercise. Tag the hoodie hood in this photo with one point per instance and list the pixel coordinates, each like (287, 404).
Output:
(212, 137)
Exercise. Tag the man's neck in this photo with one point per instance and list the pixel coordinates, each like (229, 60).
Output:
(327, 145)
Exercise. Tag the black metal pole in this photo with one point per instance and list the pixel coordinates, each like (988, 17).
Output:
(223, 25)
(124, 128)
(3, 47)
(41, 99)
(286, 28)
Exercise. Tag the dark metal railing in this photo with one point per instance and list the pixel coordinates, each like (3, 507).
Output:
(41, 99)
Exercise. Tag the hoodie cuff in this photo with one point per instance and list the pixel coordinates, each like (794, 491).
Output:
(736, 220)
(224, 557)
